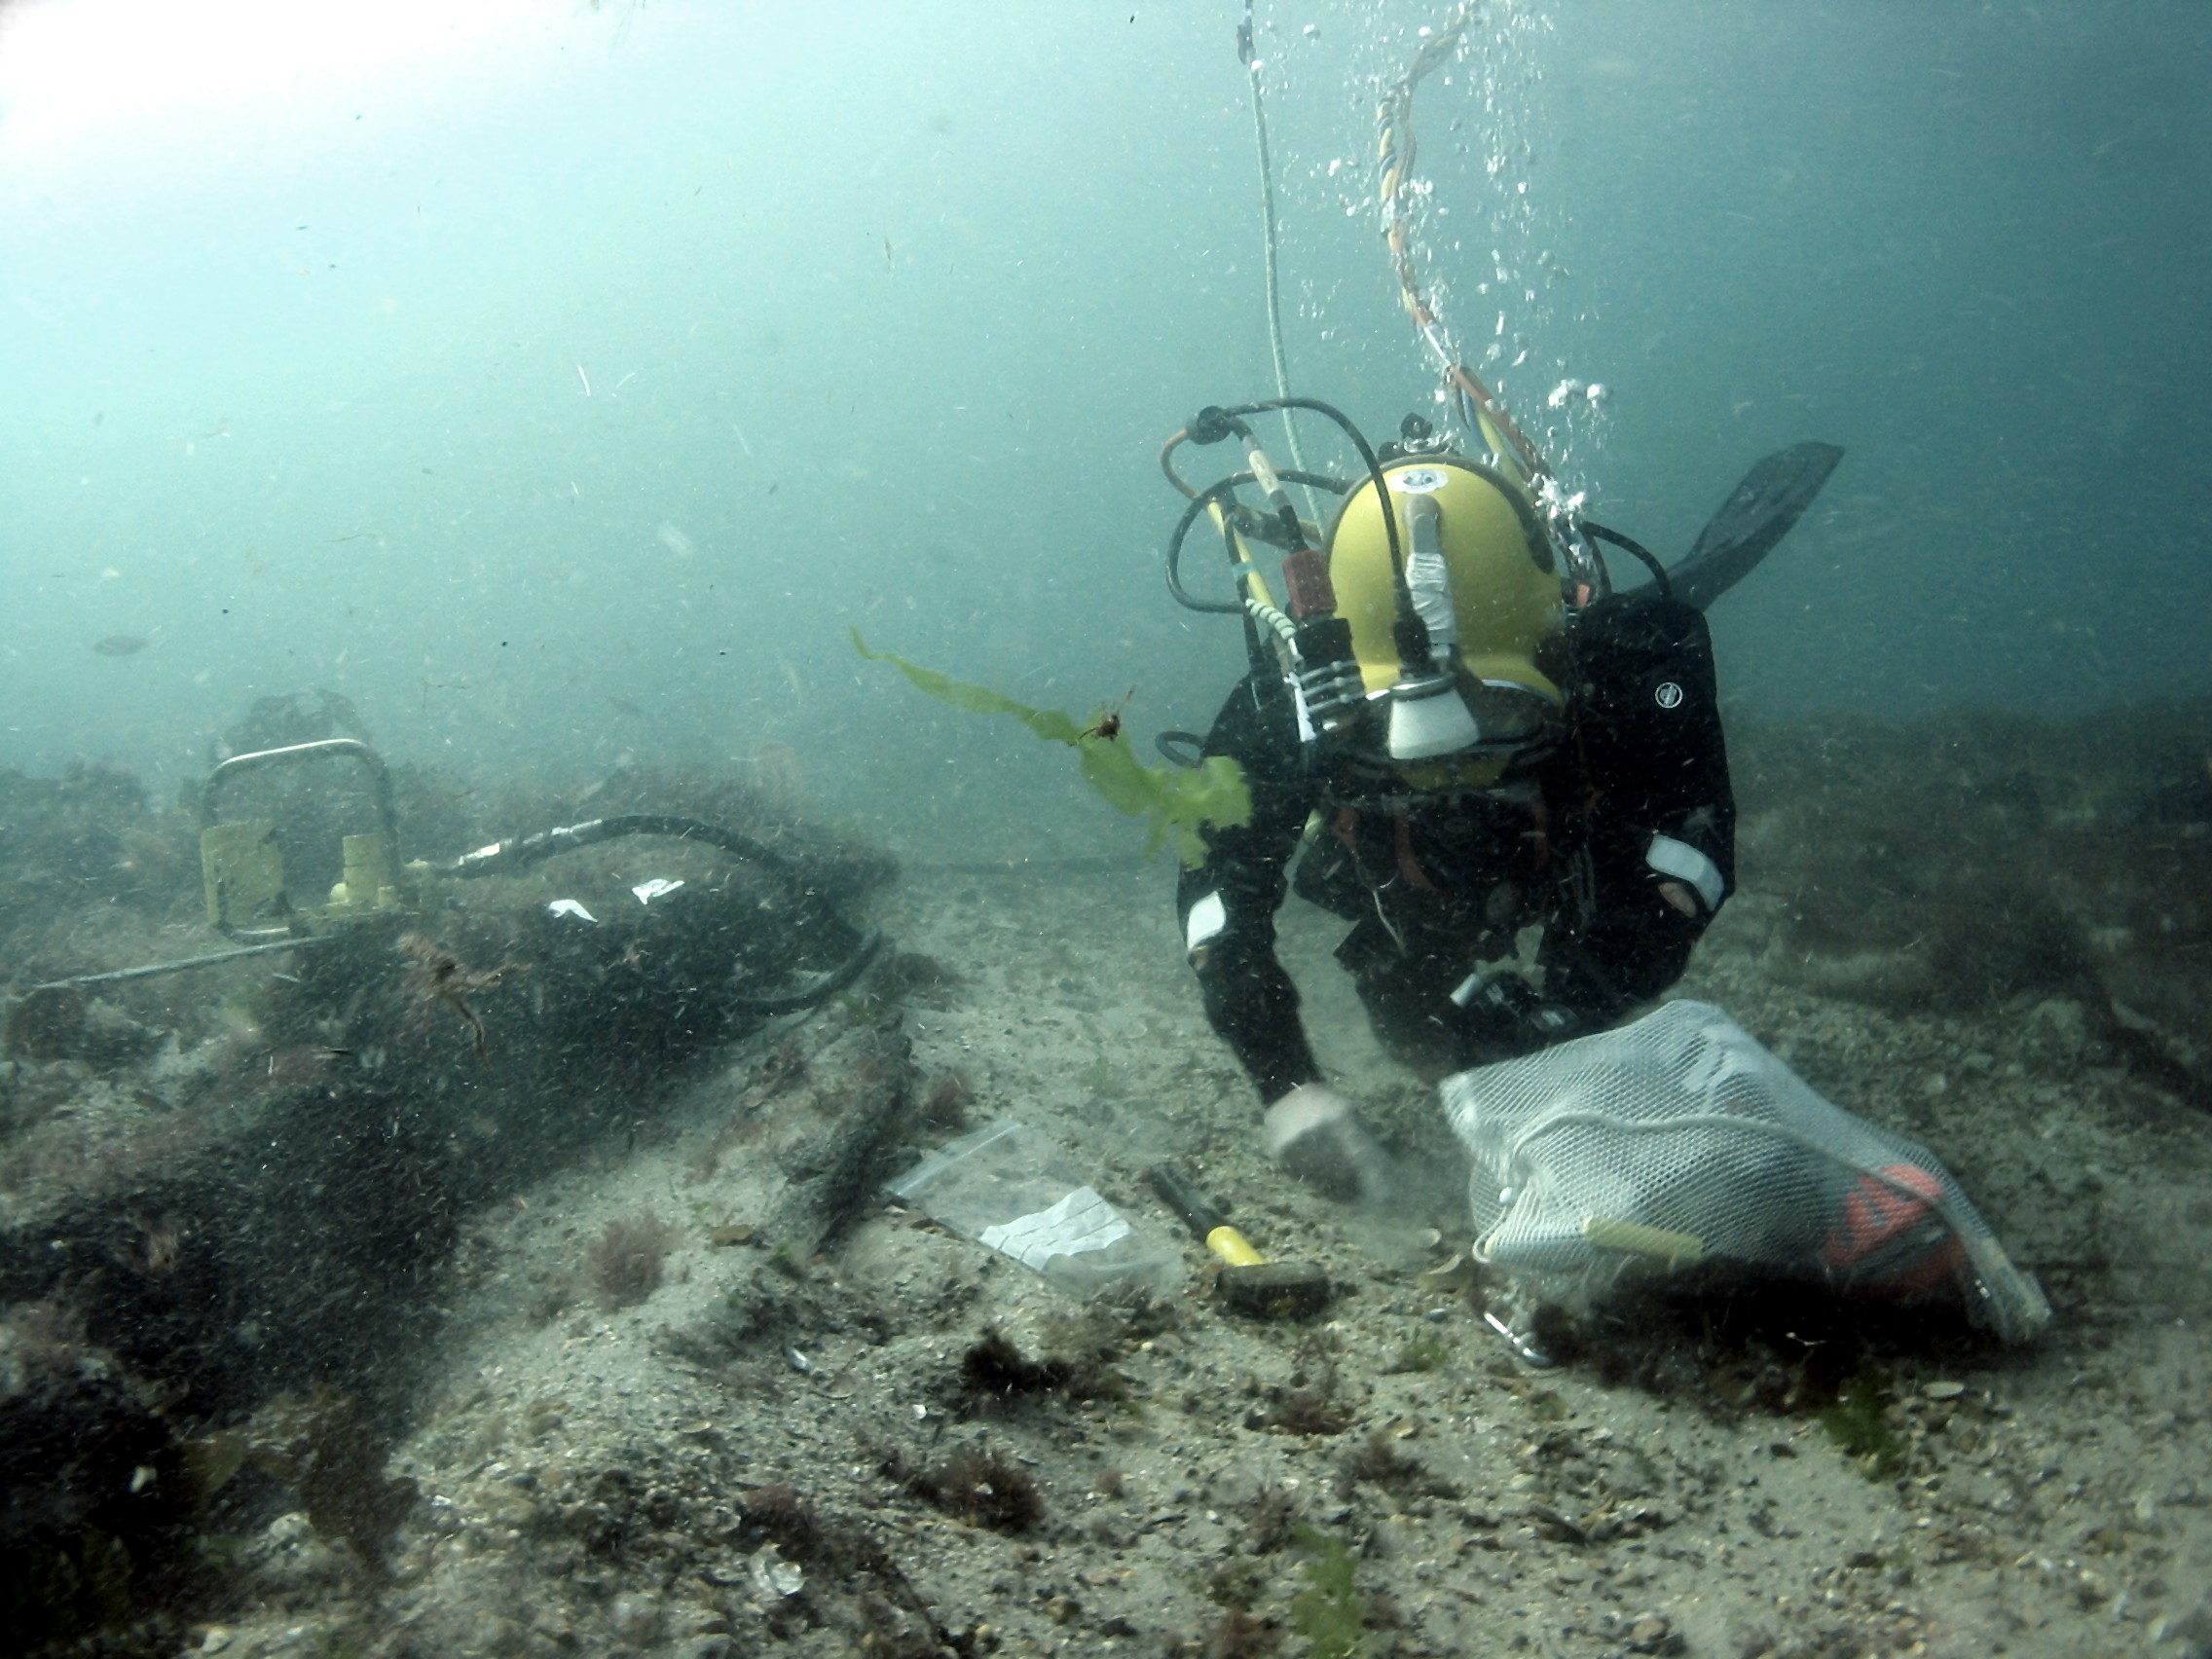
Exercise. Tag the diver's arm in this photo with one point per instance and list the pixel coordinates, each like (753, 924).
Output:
(1226, 906)
(1660, 836)
(1627, 942)
(1634, 944)
(1653, 856)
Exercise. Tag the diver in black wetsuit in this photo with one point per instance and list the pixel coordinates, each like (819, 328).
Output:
(1459, 736)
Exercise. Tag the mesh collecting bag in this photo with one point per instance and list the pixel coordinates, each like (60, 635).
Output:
(1678, 1142)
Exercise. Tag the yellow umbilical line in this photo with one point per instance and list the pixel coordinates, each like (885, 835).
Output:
(1394, 164)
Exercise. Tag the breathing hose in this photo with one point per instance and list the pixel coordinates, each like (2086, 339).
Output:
(1213, 496)
(501, 857)
(1636, 550)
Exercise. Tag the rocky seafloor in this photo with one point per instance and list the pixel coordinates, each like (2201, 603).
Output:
(671, 1379)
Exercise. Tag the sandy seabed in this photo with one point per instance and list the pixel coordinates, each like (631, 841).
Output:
(604, 1340)
(840, 1474)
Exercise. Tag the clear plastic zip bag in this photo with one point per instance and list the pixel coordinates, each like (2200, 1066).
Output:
(1018, 1192)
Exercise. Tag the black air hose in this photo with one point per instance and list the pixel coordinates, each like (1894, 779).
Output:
(504, 856)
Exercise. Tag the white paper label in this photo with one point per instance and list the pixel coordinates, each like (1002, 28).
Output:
(1080, 1221)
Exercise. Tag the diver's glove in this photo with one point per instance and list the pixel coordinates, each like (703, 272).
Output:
(1315, 1134)
(1504, 1016)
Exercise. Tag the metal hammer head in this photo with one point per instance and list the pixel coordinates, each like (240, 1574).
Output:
(1247, 1282)
(1274, 1290)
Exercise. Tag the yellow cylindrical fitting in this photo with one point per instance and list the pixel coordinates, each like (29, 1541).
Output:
(1232, 1247)
(368, 871)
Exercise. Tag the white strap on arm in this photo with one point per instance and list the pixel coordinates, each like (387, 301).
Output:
(1207, 920)
(1684, 862)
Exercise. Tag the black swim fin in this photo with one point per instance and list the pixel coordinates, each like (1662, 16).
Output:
(1772, 498)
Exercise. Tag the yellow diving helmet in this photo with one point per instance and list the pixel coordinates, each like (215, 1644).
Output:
(1480, 572)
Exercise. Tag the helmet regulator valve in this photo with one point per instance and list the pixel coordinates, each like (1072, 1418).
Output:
(1306, 577)
(1328, 673)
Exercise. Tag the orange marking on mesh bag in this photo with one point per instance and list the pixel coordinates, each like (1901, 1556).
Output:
(1878, 1215)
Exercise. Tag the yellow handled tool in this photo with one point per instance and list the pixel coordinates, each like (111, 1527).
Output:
(1249, 1281)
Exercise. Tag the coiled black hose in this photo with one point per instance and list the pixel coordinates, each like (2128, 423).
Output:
(503, 857)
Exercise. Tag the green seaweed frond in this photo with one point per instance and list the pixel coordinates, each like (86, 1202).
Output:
(1174, 802)
(1329, 1613)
